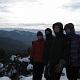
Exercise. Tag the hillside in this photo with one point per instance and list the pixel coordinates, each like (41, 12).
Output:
(10, 44)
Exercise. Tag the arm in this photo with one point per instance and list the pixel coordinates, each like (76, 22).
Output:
(32, 52)
(79, 48)
(66, 47)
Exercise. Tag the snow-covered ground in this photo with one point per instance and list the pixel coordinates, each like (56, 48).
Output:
(30, 77)
(29, 67)
(5, 78)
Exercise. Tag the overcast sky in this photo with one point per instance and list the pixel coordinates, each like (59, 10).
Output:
(24, 13)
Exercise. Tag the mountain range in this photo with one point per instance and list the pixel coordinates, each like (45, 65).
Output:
(23, 36)
(16, 40)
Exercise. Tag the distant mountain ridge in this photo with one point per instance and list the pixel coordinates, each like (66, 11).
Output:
(23, 36)
(16, 40)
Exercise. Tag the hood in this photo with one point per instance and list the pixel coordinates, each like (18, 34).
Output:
(50, 34)
(60, 27)
(71, 27)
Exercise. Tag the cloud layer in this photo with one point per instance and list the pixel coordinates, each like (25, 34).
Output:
(15, 1)
(24, 12)
(74, 5)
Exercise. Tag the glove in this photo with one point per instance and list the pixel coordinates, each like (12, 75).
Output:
(49, 63)
(31, 61)
(63, 62)
(79, 62)
(60, 66)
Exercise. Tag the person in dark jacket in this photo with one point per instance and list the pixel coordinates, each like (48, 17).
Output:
(37, 55)
(73, 63)
(47, 50)
(59, 52)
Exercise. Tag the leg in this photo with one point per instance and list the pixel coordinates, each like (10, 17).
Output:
(72, 72)
(47, 72)
(40, 72)
(35, 71)
(53, 74)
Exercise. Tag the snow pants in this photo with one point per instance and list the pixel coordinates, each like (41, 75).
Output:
(53, 74)
(37, 70)
(47, 73)
(72, 72)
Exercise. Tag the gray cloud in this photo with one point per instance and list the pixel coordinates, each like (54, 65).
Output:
(75, 5)
(5, 4)
(14, 1)
(4, 9)
(35, 24)
(2, 19)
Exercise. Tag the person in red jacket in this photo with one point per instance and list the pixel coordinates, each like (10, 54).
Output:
(37, 55)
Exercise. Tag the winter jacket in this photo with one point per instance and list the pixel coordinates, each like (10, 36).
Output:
(74, 53)
(60, 46)
(47, 50)
(60, 49)
(75, 50)
(37, 51)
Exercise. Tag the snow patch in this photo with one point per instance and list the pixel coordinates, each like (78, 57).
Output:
(5, 78)
(30, 67)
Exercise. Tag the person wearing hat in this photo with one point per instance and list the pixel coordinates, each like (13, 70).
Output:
(73, 62)
(47, 51)
(37, 55)
(59, 52)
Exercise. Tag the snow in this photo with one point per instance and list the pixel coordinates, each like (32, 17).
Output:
(62, 77)
(12, 57)
(24, 60)
(5, 78)
(1, 65)
(29, 67)
(30, 77)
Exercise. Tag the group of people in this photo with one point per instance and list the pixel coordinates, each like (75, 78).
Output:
(56, 52)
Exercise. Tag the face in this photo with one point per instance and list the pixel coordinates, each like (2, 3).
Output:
(56, 28)
(39, 37)
(67, 30)
(47, 32)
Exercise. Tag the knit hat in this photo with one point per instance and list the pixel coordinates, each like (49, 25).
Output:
(39, 33)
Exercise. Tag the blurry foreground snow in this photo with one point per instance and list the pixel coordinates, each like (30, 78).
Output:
(29, 68)
(5, 78)
(30, 77)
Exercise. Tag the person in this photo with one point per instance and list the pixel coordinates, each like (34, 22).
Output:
(73, 62)
(59, 52)
(29, 49)
(32, 42)
(36, 56)
(47, 50)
